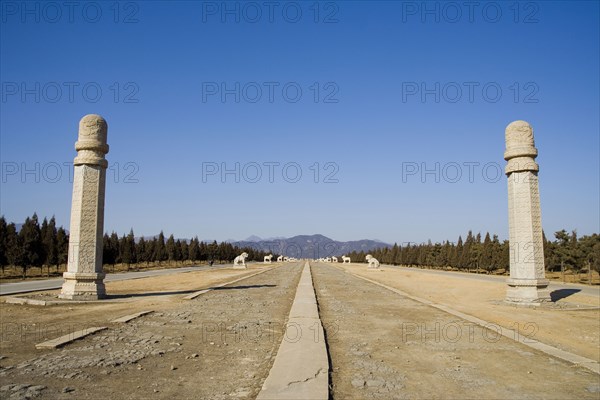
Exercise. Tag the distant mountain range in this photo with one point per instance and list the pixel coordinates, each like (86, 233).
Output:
(301, 246)
(309, 246)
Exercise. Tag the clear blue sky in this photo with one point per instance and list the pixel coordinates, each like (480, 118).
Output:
(362, 114)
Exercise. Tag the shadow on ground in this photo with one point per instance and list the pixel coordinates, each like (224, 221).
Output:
(562, 293)
(243, 287)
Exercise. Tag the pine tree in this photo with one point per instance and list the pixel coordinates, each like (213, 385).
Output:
(170, 248)
(178, 251)
(127, 249)
(149, 252)
(43, 232)
(32, 244)
(458, 253)
(50, 243)
(3, 247)
(185, 251)
(115, 257)
(485, 257)
(62, 247)
(131, 245)
(14, 248)
(140, 250)
(394, 254)
(565, 249)
(194, 250)
(107, 253)
(160, 253)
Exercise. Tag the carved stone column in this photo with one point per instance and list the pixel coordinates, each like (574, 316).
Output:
(84, 279)
(527, 283)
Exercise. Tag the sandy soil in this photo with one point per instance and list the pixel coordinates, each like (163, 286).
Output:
(574, 331)
(385, 346)
(220, 345)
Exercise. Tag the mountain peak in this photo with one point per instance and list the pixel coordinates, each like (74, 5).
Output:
(253, 238)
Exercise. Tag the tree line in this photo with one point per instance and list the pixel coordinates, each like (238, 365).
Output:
(35, 245)
(567, 251)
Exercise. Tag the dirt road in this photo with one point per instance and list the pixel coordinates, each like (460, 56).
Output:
(384, 346)
(219, 346)
(222, 344)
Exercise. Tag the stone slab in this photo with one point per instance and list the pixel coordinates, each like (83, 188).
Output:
(61, 341)
(22, 300)
(127, 318)
(196, 294)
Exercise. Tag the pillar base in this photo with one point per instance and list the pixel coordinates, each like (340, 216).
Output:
(527, 291)
(83, 286)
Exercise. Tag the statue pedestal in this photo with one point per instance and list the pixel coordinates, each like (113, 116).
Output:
(83, 286)
(527, 291)
(243, 266)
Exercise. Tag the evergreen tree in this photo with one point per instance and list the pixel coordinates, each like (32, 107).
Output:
(62, 247)
(3, 245)
(127, 249)
(486, 254)
(185, 251)
(14, 247)
(170, 248)
(565, 249)
(149, 252)
(140, 250)
(50, 243)
(160, 253)
(457, 255)
(465, 257)
(178, 251)
(43, 232)
(114, 249)
(132, 248)
(31, 240)
(194, 250)
(212, 251)
(395, 255)
(107, 253)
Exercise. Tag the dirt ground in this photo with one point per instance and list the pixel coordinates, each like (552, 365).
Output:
(575, 331)
(220, 345)
(385, 346)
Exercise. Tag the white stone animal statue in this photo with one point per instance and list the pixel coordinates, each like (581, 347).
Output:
(286, 259)
(373, 263)
(268, 258)
(240, 261)
(334, 259)
(346, 260)
(280, 259)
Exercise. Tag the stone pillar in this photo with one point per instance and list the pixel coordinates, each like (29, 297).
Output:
(84, 279)
(527, 283)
